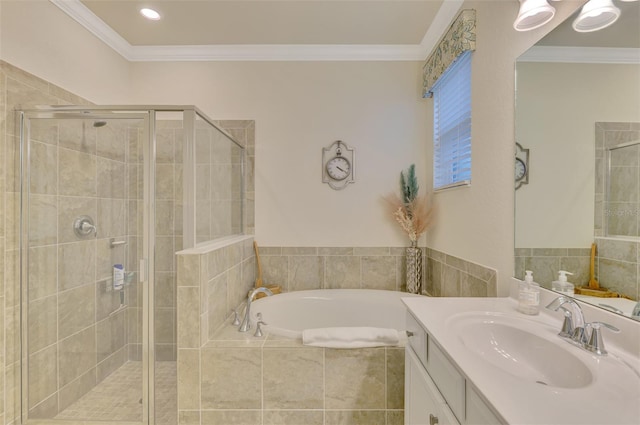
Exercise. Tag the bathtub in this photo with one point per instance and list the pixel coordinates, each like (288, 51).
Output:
(290, 313)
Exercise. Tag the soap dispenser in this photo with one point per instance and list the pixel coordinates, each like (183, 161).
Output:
(562, 285)
(529, 295)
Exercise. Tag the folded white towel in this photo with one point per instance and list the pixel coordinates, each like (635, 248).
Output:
(354, 337)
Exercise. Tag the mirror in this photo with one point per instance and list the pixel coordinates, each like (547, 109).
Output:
(578, 114)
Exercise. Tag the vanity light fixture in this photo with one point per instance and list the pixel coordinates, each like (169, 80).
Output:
(533, 14)
(596, 15)
(150, 14)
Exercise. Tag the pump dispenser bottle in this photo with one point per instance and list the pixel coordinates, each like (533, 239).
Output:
(562, 285)
(529, 295)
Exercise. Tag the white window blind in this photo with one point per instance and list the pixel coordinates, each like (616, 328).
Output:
(452, 125)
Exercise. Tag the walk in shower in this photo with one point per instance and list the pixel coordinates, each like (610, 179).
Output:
(108, 195)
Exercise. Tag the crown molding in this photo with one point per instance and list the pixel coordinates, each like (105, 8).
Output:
(262, 52)
(613, 55)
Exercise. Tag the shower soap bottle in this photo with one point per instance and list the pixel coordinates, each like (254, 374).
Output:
(562, 285)
(118, 277)
(529, 295)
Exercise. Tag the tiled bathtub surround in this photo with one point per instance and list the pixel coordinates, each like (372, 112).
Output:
(546, 262)
(271, 380)
(449, 276)
(301, 268)
(616, 265)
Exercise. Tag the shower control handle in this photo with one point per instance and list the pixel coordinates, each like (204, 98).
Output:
(84, 226)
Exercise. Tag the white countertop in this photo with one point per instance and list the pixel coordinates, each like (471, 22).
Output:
(611, 398)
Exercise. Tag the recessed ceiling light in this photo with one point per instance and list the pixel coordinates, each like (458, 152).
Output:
(150, 14)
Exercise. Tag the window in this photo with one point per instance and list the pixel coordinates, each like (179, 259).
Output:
(452, 125)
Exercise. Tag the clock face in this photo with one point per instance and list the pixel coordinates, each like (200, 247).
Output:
(521, 169)
(338, 168)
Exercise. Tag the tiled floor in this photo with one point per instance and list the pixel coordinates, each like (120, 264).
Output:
(118, 398)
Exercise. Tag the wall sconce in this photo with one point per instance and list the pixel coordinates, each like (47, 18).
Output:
(533, 14)
(596, 15)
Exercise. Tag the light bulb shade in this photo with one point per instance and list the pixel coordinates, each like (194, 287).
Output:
(533, 14)
(596, 15)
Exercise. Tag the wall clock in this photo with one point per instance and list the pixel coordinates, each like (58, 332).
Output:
(338, 165)
(522, 166)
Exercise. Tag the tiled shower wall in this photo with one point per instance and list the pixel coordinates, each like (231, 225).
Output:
(20, 88)
(546, 262)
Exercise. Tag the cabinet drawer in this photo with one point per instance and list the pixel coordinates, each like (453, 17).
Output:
(417, 341)
(449, 381)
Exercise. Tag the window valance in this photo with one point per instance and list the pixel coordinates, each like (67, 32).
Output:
(460, 38)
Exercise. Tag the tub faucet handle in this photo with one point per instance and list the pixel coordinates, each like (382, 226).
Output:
(258, 332)
(236, 318)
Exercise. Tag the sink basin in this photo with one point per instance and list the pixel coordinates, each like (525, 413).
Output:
(521, 349)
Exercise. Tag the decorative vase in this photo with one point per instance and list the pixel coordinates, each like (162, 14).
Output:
(414, 269)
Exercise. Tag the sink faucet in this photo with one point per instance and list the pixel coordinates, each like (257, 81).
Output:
(574, 328)
(246, 323)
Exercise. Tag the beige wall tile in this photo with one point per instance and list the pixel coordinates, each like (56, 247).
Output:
(305, 272)
(110, 335)
(43, 224)
(111, 364)
(165, 181)
(188, 379)
(47, 409)
(231, 378)
(165, 218)
(79, 135)
(342, 272)
(188, 317)
(110, 178)
(355, 417)
(188, 270)
(107, 300)
(76, 264)
(77, 173)
(77, 355)
(395, 378)
(42, 271)
(189, 417)
(43, 163)
(76, 309)
(112, 139)
(217, 308)
(165, 254)
(111, 218)
(395, 417)
(76, 389)
(379, 273)
(165, 289)
(164, 321)
(231, 417)
(293, 378)
(472, 287)
(355, 379)
(43, 375)
(293, 417)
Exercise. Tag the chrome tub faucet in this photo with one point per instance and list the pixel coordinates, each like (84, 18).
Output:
(246, 323)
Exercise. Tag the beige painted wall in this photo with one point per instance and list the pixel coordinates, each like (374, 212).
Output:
(39, 38)
(556, 210)
(476, 223)
(299, 108)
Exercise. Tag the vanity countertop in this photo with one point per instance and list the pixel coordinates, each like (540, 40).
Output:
(611, 397)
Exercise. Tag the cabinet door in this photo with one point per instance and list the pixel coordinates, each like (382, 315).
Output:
(423, 403)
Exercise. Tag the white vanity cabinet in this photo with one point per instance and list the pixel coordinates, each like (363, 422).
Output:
(423, 403)
(436, 392)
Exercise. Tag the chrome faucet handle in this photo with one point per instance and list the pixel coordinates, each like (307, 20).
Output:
(567, 325)
(236, 318)
(595, 343)
(635, 314)
(258, 332)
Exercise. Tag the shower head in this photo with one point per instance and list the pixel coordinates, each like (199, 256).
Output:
(98, 124)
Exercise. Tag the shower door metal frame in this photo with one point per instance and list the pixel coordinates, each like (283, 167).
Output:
(146, 263)
(146, 270)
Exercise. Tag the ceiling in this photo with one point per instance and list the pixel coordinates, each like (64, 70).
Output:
(268, 22)
(267, 29)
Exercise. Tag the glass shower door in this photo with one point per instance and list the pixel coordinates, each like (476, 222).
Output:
(82, 239)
